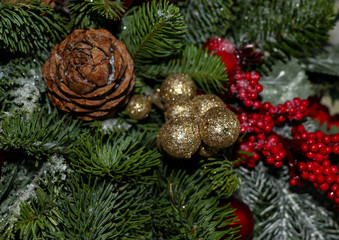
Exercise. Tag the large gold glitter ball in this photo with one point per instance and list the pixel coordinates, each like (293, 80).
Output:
(179, 137)
(182, 107)
(219, 127)
(176, 86)
(203, 103)
(138, 107)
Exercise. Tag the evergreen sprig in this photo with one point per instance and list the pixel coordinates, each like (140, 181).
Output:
(38, 219)
(99, 210)
(29, 27)
(283, 28)
(153, 31)
(86, 14)
(206, 70)
(282, 213)
(119, 157)
(220, 172)
(197, 213)
(206, 19)
(41, 135)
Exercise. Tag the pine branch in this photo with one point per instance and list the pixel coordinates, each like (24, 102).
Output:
(29, 27)
(206, 70)
(122, 156)
(205, 19)
(283, 28)
(219, 171)
(283, 214)
(196, 212)
(38, 218)
(94, 210)
(42, 135)
(155, 30)
(89, 14)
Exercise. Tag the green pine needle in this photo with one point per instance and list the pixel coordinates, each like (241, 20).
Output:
(85, 14)
(42, 135)
(155, 30)
(29, 27)
(206, 70)
(206, 19)
(121, 156)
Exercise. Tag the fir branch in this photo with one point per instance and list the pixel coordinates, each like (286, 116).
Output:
(94, 210)
(206, 70)
(29, 27)
(283, 214)
(85, 14)
(196, 212)
(283, 28)
(155, 30)
(224, 179)
(205, 19)
(42, 135)
(121, 156)
(38, 218)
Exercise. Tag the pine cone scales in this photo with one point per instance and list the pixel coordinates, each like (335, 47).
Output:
(89, 74)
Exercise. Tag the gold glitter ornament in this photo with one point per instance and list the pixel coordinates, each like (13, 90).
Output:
(139, 107)
(179, 137)
(182, 107)
(219, 127)
(207, 151)
(176, 86)
(203, 103)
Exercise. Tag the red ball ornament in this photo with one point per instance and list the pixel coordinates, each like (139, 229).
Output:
(245, 216)
(227, 51)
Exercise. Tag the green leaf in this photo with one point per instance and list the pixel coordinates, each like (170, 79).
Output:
(326, 62)
(155, 30)
(285, 82)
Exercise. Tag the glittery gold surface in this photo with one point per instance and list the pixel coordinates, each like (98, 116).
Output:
(139, 107)
(176, 86)
(203, 103)
(219, 127)
(182, 107)
(207, 151)
(179, 137)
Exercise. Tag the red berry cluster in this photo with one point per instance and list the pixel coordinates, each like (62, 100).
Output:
(268, 146)
(318, 169)
(246, 88)
(255, 122)
(290, 110)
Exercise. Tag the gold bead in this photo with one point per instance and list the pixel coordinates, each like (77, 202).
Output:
(138, 107)
(207, 151)
(176, 86)
(219, 127)
(179, 137)
(182, 107)
(203, 103)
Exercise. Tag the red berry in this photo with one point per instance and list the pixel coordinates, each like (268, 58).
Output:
(311, 177)
(335, 149)
(259, 88)
(293, 181)
(304, 175)
(278, 164)
(324, 187)
(320, 179)
(330, 179)
(330, 195)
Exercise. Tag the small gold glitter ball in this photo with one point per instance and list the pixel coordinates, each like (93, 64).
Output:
(182, 107)
(219, 127)
(138, 107)
(176, 86)
(203, 103)
(179, 137)
(207, 151)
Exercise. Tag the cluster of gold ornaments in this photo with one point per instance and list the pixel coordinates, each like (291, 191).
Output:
(195, 123)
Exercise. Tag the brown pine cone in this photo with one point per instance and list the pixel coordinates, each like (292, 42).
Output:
(89, 74)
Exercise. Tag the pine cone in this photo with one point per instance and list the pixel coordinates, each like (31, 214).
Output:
(89, 74)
